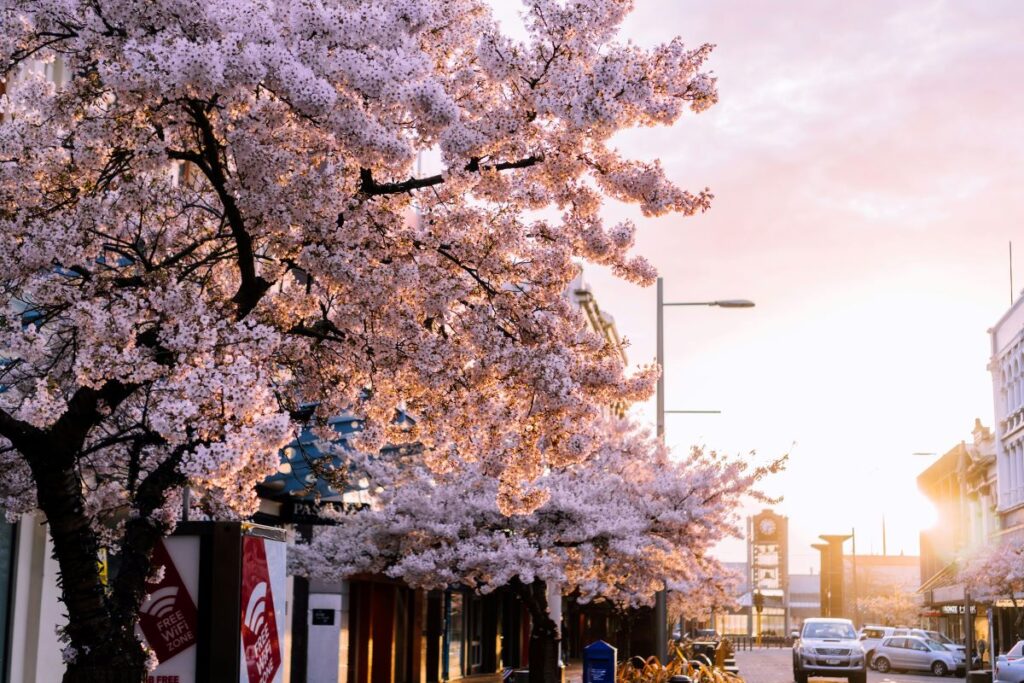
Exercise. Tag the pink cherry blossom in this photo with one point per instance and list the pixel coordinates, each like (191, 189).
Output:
(215, 221)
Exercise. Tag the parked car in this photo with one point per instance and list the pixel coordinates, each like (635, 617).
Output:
(935, 635)
(707, 635)
(912, 653)
(1009, 668)
(830, 648)
(870, 637)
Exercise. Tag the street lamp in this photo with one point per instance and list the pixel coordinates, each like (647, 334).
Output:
(660, 603)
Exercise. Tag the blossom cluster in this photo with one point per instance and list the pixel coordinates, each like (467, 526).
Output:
(628, 522)
(995, 572)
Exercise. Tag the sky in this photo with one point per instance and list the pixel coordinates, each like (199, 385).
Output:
(867, 160)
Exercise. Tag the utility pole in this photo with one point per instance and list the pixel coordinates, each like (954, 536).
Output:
(661, 599)
(856, 609)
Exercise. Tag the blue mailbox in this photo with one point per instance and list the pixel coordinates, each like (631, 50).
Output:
(599, 663)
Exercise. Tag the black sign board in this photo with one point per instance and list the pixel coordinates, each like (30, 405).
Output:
(323, 617)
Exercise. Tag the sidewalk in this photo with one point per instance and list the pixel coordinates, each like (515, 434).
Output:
(573, 674)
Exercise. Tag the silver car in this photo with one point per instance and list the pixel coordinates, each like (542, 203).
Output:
(829, 647)
(912, 653)
(935, 635)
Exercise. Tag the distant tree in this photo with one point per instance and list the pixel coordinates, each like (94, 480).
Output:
(209, 227)
(620, 527)
(897, 608)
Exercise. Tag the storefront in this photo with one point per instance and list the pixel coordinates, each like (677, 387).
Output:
(6, 589)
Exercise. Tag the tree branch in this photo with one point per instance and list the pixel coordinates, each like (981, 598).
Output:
(21, 434)
(252, 286)
(370, 187)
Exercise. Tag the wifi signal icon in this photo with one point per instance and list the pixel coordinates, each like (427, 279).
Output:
(255, 611)
(161, 602)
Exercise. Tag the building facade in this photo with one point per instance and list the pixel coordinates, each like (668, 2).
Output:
(962, 485)
(1007, 367)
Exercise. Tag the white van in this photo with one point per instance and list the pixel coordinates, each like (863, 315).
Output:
(871, 636)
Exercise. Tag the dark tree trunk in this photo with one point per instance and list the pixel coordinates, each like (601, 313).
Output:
(104, 644)
(101, 618)
(544, 648)
(545, 635)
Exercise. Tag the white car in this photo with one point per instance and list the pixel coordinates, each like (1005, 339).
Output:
(871, 636)
(1009, 668)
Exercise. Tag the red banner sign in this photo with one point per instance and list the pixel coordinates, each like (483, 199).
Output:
(168, 617)
(259, 624)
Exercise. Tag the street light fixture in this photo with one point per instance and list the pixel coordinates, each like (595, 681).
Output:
(660, 603)
(725, 303)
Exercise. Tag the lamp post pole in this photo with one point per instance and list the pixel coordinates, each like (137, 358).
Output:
(661, 598)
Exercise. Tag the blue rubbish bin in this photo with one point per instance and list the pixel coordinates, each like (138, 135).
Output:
(600, 660)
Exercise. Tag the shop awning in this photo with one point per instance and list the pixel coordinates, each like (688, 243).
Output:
(942, 578)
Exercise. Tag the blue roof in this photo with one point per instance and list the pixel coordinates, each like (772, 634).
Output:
(297, 478)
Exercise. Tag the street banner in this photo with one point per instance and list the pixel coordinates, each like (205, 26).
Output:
(168, 618)
(262, 581)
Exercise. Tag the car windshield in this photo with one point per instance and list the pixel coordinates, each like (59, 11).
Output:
(829, 630)
(935, 635)
(935, 645)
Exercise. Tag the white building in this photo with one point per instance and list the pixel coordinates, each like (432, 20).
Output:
(1007, 368)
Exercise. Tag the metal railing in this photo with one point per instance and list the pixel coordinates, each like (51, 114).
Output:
(750, 642)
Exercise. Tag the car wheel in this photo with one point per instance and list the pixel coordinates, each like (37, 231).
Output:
(859, 677)
(940, 668)
(799, 676)
(869, 658)
(882, 665)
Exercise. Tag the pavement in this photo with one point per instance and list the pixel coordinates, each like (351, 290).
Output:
(573, 674)
(776, 666)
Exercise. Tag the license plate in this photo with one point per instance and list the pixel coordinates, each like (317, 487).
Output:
(832, 662)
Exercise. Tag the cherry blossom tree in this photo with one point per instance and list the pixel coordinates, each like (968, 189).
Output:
(996, 572)
(208, 226)
(625, 524)
(896, 608)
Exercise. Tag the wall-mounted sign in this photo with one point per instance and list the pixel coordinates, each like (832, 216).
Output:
(168, 619)
(957, 609)
(261, 639)
(303, 512)
(323, 617)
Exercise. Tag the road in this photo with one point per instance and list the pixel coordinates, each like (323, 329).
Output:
(776, 666)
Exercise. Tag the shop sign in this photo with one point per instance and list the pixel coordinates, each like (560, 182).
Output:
(323, 512)
(168, 619)
(261, 639)
(957, 609)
